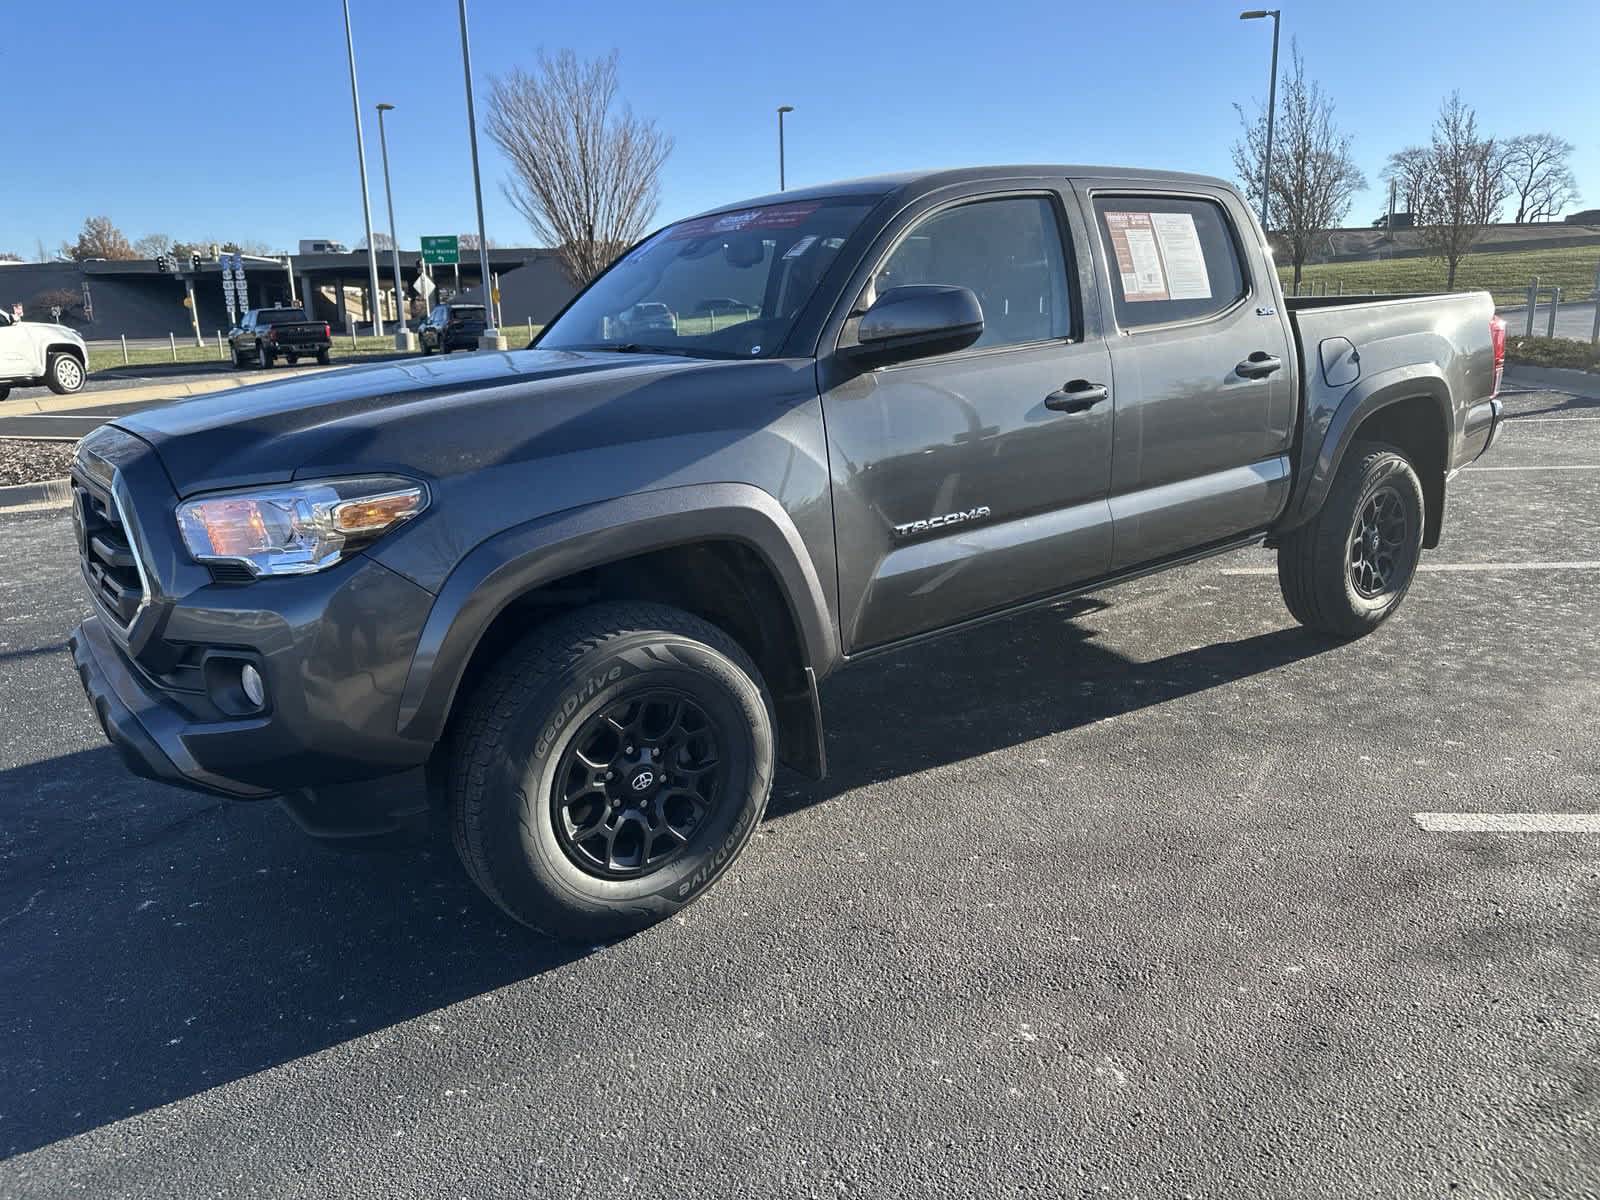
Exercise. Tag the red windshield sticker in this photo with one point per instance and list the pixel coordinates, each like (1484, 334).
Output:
(777, 216)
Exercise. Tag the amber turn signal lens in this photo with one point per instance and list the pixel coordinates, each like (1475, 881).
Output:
(374, 514)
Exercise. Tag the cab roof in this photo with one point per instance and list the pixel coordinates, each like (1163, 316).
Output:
(911, 184)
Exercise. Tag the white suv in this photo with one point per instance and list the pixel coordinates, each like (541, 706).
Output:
(32, 353)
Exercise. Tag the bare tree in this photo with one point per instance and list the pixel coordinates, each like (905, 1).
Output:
(99, 239)
(1408, 170)
(1538, 175)
(152, 245)
(586, 170)
(8, 256)
(380, 241)
(469, 241)
(1465, 186)
(1314, 178)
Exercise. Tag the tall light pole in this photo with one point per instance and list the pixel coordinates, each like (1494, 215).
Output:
(402, 333)
(492, 338)
(361, 159)
(782, 108)
(1255, 14)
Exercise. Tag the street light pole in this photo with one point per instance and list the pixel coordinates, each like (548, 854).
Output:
(492, 338)
(402, 333)
(1255, 14)
(361, 159)
(782, 108)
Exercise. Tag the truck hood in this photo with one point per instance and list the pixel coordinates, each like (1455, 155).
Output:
(435, 417)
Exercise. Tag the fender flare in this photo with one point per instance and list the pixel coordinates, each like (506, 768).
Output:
(510, 564)
(1329, 434)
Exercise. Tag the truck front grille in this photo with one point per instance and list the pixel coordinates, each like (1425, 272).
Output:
(106, 554)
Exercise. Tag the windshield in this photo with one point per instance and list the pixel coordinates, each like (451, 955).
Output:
(279, 316)
(725, 286)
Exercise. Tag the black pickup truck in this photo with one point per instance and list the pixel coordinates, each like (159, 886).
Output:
(263, 335)
(585, 591)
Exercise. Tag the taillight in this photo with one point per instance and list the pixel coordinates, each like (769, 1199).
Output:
(327, 331)
(1497, 338)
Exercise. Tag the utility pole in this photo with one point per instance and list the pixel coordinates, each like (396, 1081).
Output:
(492, 338)
(402, 333)
(782, 108)
(1255, 14)
(361, 159)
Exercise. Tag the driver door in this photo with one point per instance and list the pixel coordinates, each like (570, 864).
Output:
(962, 483)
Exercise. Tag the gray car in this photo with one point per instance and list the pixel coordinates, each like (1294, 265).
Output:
(580, 597)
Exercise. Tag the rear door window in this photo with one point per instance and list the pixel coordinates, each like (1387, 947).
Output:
(1171, 258)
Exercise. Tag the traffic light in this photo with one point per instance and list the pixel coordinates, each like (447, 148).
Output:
(164, 263)
(194, 261)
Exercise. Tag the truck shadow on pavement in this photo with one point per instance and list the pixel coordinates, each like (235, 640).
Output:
(1003, 684)
(156, 943)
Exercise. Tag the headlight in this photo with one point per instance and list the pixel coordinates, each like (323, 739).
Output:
(299, 528)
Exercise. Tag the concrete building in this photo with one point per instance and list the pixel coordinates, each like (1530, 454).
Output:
(133, 298)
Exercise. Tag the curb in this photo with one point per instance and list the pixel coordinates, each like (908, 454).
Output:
(27, 497)
(176, 390)
(1561, 379)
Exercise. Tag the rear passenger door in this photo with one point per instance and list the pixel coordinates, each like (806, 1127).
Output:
(1203, 367)
(968, 482)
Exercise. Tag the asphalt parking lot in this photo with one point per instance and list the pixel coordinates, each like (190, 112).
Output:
(1126, 897)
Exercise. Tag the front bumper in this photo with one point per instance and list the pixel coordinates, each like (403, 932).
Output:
(146, 730)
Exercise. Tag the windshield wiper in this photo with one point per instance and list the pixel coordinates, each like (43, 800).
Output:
(638, 348)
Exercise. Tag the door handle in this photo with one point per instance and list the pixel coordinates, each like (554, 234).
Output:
(1258, 366)
(1077, 395)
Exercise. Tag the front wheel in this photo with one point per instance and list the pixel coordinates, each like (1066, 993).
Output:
(1346, 571)
(64, 373)
(264, 356)
(609, 769)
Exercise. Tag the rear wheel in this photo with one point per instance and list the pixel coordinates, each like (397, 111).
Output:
(1347, 570)
(609, 769)
(324, 357)
(5, 390)
(64, 373)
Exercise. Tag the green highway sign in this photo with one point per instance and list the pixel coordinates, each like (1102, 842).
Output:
(441, 250)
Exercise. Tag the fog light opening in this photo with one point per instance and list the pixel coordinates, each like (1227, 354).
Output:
(251, 684)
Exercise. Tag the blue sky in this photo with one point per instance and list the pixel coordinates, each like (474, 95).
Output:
(166, 117)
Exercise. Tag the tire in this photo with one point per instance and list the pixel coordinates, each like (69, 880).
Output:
(263, 356)
(5, 390)
(516, 738)
(427, 350)
(1334, 584)
(324, 357)
(294, 360)
(64, 373)
(238, 359)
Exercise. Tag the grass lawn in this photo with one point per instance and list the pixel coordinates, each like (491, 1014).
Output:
(1553, 352)
(1506, 275)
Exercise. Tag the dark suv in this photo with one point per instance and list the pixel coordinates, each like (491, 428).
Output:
(452, 327)
(586, 591)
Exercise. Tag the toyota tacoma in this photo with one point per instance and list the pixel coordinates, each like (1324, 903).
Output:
(582, 594)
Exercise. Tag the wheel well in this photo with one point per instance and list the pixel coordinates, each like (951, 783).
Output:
(1415, 427)
(64, 348)
(722, 581)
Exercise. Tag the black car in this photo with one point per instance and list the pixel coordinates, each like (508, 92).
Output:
(452, 327)
(266, 333)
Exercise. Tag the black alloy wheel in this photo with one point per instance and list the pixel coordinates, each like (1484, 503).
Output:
(639, 779)
(1380, 551)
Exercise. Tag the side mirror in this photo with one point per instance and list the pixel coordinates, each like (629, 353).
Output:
(918, 320)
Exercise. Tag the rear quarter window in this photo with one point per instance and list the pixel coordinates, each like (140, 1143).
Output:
(1171, 258)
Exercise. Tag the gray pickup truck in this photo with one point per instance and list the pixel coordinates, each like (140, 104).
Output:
(582, 594)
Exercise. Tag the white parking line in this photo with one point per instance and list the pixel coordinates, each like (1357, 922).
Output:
(1508, 822)
(1435, 568)
(1585, 467)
